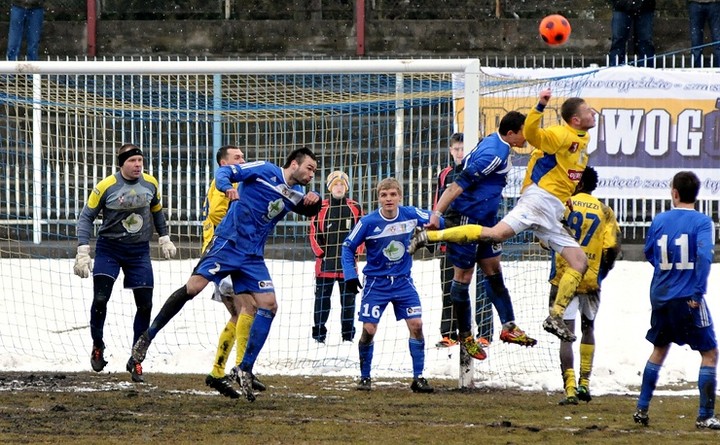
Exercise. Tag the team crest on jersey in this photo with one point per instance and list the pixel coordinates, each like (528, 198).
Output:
(394, 251)
(496, 247)
(574, 147)
(275, 207)
(133, 223)
(265, 284)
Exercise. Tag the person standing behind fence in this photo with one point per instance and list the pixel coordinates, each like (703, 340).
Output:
(483, 306)
(636, 16)
(26, 19)
(338, 215)
(386, 233)
(130, 204)
(595, 227)
(679, 245)
(701, 12)
(241, 306)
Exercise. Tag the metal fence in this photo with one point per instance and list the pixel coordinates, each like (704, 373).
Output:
(342, 9)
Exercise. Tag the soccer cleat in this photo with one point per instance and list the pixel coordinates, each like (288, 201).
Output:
(512, 334)
(223, 386)
(583, 393)
(555, 325)
(135, 369)
(446, 342)
(257, 385)
(418, 240)
(365, 384)
(473, 348)
(140, 347)
(484, 342)
(711, 423)
(97, 359)
(421, 385)
(244, 380)
(571, 400)
(641, 417)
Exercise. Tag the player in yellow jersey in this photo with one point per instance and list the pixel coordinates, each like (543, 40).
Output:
(240, 306)
(595, 227)
(554, 169)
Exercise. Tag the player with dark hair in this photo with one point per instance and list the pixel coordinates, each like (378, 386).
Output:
(679, 245)
(241, 306)
(131, 206)
(483, 306)
(474, 198)
(554, 168)
(386, 233)
(595, 227)
(269, 193)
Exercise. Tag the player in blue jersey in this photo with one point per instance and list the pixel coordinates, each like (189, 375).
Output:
(131, 207)
(474, 198)
(553, 171)
(386, 233)
(268, 194)
(680, 245)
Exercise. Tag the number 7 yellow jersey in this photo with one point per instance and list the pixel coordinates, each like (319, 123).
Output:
(594, 226)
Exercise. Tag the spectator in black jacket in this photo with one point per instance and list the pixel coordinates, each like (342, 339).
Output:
(632, 17)
(338, 215)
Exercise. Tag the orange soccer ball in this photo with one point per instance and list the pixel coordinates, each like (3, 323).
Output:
(555, 29)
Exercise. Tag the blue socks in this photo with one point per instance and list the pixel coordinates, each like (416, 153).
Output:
(460, 294)
(500, 297)
(366, 356)
(649, 381)
(707, 382)
(258, 334)
(417, 352)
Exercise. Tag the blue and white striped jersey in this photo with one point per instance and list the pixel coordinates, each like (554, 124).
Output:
(483, 178)
(386, 243)
(266, 198)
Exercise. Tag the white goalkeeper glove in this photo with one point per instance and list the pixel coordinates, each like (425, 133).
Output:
(83, 262)
(167, 247)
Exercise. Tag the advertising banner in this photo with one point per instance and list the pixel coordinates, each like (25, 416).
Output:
(650, 123)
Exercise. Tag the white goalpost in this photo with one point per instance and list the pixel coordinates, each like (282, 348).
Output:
(62, 121)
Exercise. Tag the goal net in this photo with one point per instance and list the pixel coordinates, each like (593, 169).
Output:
(61, 124)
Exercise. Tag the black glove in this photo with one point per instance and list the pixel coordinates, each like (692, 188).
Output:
(352, 285)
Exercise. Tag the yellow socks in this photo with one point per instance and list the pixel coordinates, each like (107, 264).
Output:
(587, 353)
(242, 334)
(469, 233)
(225, 344)
(569, 379)
(566, 291)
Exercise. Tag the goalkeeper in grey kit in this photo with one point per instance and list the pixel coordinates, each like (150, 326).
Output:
(130, 204)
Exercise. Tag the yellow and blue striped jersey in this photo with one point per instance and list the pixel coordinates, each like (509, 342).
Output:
(559, 158)
(214, 209)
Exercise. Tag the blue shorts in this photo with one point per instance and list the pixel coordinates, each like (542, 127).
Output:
(132, 258)
(248, 272)
(379, 291)
(465, 256)
(678, 323)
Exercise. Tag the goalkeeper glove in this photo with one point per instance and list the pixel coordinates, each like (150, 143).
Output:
(352, 285)
(83, 262)
(167, 247)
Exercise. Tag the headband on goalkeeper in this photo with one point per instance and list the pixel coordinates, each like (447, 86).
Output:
(122, 157)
